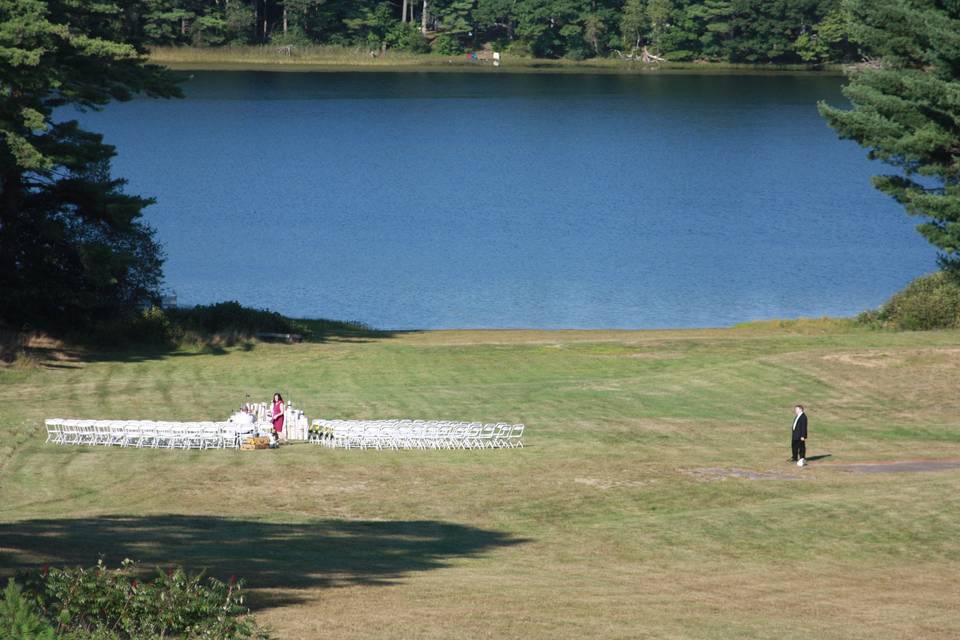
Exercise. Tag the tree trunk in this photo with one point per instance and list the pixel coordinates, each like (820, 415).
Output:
(10, 194)
(403, 14)
(649, 58)
(423, 18)
(284, 19)
(262, 26)
(9, 198)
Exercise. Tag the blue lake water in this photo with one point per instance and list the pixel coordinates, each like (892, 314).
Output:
(441, 200)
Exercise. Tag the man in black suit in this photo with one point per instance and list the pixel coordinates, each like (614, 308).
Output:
(798, 441)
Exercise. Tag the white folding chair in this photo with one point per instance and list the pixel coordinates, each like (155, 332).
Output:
(485, 438)
(101, 432)
(471, 435)
(457, 432)
(54, 430)
(193, 435)
(209, 435)
(371, 438)
(445, 435)
(516, 436)
(501, 435)
(69, 433)
(353, 435)
(427, 436)
(150, 434)
(86, 432)
(117, 432)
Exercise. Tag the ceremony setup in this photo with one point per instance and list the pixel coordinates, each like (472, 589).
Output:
(252, 428)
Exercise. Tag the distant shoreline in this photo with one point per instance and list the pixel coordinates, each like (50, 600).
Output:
(337, 59)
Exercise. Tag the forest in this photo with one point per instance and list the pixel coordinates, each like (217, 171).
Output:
(812, 32)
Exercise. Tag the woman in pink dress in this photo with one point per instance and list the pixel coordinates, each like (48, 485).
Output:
(277, 414)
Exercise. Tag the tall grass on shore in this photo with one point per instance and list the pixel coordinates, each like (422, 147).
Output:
(331, 57)
(299, 55)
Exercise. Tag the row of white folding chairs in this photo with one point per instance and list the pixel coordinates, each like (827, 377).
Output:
(415, 434)
(420, 434)
(144, 433)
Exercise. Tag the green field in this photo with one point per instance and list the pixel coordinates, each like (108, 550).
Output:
(653, 500)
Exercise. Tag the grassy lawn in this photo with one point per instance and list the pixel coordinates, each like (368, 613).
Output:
(653, 499)
(334, 58)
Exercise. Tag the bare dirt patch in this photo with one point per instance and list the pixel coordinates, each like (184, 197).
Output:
(644, 355)
(901, 466)
(870, 360)
(601, 386)
(602, 483)
(877, 359)
(719, 473)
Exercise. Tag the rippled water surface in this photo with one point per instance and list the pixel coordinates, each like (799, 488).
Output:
(438, 200)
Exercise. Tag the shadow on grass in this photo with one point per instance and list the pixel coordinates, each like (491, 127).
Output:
(357, 336)
(75, 356)
(819, 457)
(282, 558)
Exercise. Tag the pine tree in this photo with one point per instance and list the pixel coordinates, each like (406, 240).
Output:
(906, 110)
(19, 617)
(73, 247)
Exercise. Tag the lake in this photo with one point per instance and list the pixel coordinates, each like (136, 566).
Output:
(540, 200)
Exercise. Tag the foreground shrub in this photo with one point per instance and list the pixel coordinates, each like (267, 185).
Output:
(929, 302)
(113, 604)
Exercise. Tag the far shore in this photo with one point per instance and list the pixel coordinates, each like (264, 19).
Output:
(334, 59)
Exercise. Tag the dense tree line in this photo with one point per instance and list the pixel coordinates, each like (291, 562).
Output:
(74, 250)
(749, 31)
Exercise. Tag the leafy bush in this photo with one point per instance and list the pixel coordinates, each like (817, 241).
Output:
(112, 604)
(295, 36)
(214, 325)
(150, 327)
(447, 45)
(207, 31)
(519, 49)
(407, 37)
(929, 302)
(499, 43)
(229, 317)
(679, 55)
(168, 327)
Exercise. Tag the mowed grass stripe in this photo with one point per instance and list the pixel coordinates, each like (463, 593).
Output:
(622, 518)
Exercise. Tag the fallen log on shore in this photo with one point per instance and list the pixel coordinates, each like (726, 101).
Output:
(644, 56)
